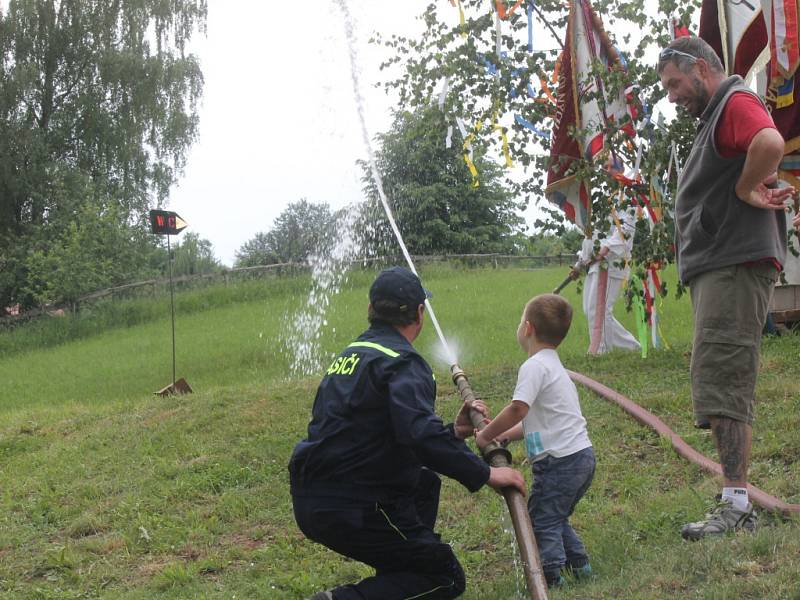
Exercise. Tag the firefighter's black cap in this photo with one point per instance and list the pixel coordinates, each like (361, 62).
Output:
(398, 286)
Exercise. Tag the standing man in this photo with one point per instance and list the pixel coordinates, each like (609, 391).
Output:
(364, 482)
(607, 270)
(731, 244)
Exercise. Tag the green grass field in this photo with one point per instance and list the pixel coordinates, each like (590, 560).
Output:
(107, 491)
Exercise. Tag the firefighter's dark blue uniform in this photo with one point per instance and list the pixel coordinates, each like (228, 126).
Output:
(364, 482)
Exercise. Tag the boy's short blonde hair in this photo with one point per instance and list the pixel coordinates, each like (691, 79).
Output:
(551, 316)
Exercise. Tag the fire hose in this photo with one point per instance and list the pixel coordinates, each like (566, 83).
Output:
(499, 456)
(648, 419)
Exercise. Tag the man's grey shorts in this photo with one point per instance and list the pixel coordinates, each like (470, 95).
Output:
(730, 308)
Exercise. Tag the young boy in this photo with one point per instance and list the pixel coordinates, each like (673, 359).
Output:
(546, 413)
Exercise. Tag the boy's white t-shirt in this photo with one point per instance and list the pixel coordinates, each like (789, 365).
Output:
(554, 424)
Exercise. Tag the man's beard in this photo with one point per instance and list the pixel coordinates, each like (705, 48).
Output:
(700, 100)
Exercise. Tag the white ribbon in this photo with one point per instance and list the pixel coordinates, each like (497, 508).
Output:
(443, 93)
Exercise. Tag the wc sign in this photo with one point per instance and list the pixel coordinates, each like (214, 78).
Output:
(165, 222)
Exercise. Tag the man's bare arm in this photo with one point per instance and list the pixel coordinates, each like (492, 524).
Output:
(760, 167)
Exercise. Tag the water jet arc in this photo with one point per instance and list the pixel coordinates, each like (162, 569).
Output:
(499, 456)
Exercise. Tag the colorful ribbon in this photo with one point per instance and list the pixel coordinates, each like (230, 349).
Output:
(546, 90)
(527, 124)
(443, 93)
(503, 138)
(530, 25)
(498, 36)
(501, 9)
(641, 322)
(467, 148)
(468, 159)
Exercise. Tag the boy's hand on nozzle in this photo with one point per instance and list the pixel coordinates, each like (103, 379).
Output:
(463, 424)
(503, 477)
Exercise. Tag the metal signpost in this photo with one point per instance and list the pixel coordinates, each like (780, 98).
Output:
(164, 222)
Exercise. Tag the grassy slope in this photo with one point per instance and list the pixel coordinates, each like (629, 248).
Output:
(110, 492)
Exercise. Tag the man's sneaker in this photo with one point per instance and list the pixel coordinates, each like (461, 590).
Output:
(322, 596)
(722, 519)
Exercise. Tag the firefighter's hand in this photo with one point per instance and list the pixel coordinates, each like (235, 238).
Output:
(796, 222)
(503, 477)
(463, 424)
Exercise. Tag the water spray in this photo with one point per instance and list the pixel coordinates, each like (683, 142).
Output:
(494, 454)
(376, 176)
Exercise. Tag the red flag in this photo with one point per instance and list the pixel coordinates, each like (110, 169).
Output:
(782, 90)
(586, 43)
(742, 27)
(784, 53)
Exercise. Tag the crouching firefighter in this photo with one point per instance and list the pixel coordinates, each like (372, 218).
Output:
(364, 482)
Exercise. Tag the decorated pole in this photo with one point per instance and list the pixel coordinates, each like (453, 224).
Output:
(574, 274)
(499, 456)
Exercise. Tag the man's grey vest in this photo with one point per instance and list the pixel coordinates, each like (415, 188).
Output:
(713, 227)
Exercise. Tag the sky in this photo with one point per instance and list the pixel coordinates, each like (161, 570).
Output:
(278, 120)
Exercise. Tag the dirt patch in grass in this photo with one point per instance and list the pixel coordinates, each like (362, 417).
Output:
(246, 541)
(154, 567)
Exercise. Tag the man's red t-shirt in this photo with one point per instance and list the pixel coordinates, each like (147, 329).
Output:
(742, 118)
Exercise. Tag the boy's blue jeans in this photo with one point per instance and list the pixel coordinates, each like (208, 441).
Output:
(558, 485)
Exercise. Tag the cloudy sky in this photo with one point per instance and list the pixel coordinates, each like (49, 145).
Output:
(278, 121)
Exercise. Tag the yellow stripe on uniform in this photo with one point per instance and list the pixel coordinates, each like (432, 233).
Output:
(387, 351)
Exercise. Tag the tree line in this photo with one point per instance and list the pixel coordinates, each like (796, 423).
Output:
(431, 194)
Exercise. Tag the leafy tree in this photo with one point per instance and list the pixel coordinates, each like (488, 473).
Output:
(256, 252)
(92, 252)
(547, 244)
(97, 109)
(298, 232)
(194, 256)
(489, 84)
(430, 191)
